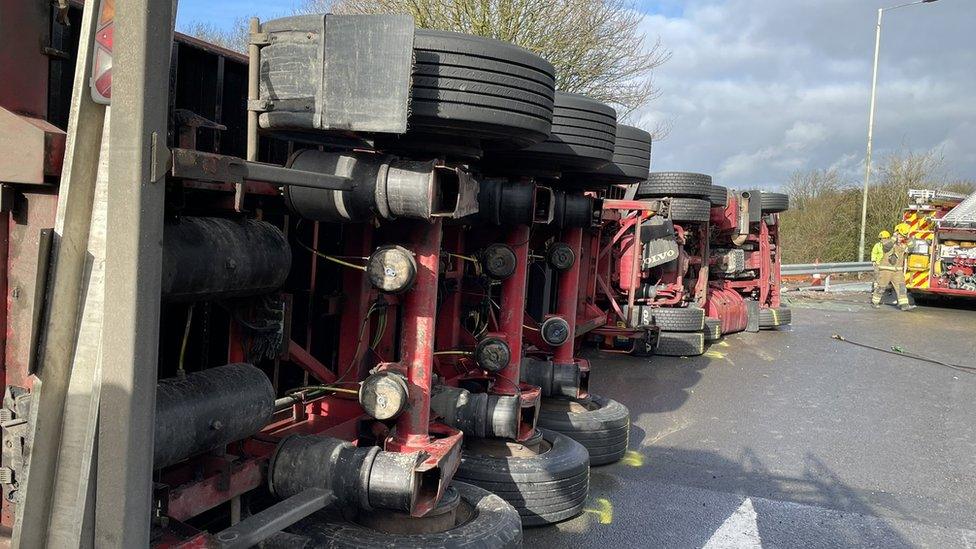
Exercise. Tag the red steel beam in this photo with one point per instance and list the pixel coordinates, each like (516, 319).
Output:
(357, 294)
(511, 317)
(568, 296)
(301, 357)
(417, 351)
(188, 501)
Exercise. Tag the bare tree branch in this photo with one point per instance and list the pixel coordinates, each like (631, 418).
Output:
(235, 38)
(597, 46)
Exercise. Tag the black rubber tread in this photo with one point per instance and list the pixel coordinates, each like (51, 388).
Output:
(544, 497)
(543, 489)
(605, 431)
(582, 137)
(690, 209)
(597, 437)
(774, 202)
(719, 196)
(775, 316)
(713, 329)
(430, 73)
(554, 517)
(627, 159)
(682, 184)
(494, 524)
(680, 344)
(630, 162)
(506, 487)
(480, 88)
(679, 319)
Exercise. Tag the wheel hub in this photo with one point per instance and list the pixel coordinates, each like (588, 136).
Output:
(450, 512)
(496, 447)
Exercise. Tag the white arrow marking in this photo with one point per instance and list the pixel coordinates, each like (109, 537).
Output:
(739, 531)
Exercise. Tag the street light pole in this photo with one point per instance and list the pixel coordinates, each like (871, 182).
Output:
(874, 89)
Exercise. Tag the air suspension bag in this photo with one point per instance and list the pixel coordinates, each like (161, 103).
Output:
(362, 476)
(478, 415)
(209, 409)
(212, 257)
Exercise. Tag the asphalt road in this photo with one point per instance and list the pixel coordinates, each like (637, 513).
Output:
(793, 439)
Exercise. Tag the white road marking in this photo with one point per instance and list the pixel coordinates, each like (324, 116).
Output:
(739, 531)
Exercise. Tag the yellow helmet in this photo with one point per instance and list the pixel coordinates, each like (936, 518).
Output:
(902, 229)
(884, 234)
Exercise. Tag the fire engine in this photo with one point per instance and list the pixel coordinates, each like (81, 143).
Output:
(942, 247)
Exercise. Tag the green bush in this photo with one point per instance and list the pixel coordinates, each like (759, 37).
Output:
(824, 220)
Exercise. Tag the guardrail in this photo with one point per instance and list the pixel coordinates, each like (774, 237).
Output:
(827, 268)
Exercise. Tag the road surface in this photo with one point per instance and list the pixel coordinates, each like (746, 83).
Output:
(793, 439)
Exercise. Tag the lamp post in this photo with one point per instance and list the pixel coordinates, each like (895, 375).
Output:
(874, 88)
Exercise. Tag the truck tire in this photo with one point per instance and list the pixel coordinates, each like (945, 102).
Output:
(468, 92)
(681, 184)
(713, 329)
(719, 196)
(690, 209)
(582, 140)
(477, 87)
(679, 319)
(546, 488)
(680, 344)
(774, 317)
(600, 424)
(485, 521)
(774, 202)
(631, 160)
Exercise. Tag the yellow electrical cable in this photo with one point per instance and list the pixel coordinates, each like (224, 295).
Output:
(465, 353)
(329, 257)
(323, 388)
(380, 330)
(464, 257)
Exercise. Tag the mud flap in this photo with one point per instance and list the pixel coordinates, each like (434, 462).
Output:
(660, 246)
(752, 307)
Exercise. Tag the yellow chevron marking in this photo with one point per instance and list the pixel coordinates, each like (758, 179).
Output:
(917, 279)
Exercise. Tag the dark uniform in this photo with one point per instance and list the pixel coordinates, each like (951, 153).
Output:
(891, 271)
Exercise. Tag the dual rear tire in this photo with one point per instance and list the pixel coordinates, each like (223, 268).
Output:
(546, 480)
(774, 317)
(600, 424)
(483, 521)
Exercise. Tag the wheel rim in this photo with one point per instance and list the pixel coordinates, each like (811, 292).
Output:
(451, 512)
(500, 448)
(569, 406)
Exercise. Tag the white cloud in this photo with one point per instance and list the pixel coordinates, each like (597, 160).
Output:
(759, 88)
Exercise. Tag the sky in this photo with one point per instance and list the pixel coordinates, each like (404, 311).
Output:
(756, 90)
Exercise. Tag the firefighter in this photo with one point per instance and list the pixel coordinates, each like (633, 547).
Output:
(877, 252)
(891, 267)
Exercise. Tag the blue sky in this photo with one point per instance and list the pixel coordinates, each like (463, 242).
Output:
(758, 89)
(223, 13)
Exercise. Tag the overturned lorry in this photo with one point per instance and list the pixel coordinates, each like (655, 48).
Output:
(282, 298)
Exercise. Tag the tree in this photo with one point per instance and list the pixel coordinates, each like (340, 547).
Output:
(824, 220)
(820, 224)
(234, 38)
(596, 46)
